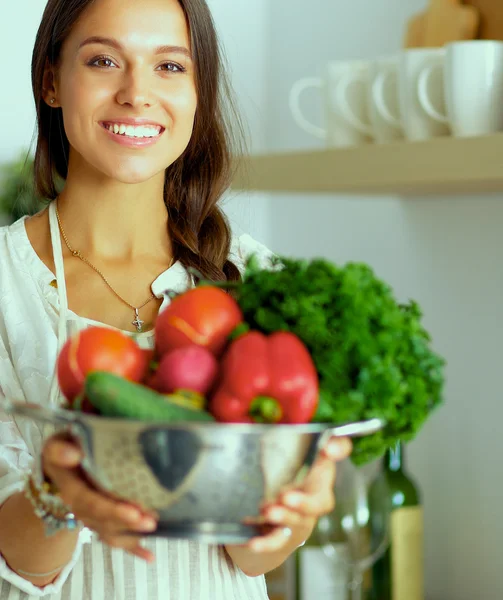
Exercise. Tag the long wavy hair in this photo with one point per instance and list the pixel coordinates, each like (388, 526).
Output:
(196, 181)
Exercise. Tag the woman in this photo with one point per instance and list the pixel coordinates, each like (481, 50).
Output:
(130, 119)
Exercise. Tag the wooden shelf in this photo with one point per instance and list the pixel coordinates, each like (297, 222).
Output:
(440, 166)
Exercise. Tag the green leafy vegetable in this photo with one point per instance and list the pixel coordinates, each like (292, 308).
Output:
(17, 188)
(372, 354)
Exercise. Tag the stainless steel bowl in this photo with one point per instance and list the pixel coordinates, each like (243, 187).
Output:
(205, 480)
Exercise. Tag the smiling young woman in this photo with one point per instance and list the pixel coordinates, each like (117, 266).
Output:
(129, 99)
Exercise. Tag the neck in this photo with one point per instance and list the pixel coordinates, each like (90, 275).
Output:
(394, 458)
(112, 220)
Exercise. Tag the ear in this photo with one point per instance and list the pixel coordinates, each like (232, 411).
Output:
(49, 86)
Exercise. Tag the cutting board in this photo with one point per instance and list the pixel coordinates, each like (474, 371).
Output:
(450, 21)
(415, 31)
(491, 18)
(443, 21)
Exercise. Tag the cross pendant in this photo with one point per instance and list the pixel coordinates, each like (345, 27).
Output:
(138, 323)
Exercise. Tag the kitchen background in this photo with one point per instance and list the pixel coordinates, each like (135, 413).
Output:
(445, 252)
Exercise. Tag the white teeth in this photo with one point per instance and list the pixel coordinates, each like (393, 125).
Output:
(135, 132)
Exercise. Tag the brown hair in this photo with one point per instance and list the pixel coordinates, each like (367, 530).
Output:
(195, 182)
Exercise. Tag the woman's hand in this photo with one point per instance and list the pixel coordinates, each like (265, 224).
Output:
(110, 519)
(295, 513)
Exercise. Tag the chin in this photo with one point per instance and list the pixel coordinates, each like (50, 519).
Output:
(132, 177)
(133, 172)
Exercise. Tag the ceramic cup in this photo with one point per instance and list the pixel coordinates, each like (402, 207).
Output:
(473, 82)
(344, 88)
(383, 99)
(414, 87)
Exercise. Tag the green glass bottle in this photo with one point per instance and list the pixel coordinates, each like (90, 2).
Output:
(318, 576)
(399, 574)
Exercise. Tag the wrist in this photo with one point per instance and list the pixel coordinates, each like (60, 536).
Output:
(48, 506)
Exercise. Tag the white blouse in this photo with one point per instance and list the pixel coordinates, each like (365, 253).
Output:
(34, 324)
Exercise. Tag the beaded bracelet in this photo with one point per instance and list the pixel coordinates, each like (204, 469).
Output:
(49, 507)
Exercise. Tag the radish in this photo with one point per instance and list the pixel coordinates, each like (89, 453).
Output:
(192, 368)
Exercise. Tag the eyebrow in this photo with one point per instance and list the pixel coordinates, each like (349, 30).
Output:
(118, 46)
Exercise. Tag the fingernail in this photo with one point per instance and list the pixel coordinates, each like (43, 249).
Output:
(293, 500)
(148, 524)
(338, 449)
(144, 553)
(276, 515)
(130, 514)
(71, 454)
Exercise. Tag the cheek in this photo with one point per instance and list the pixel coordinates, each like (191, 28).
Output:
(79, 103)
(184, 106)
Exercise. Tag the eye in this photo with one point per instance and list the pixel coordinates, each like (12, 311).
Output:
(172, 67)
(109, 63)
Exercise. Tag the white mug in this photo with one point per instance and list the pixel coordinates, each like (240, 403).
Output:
(418, 122)
(383, 100)
(344, 86)
(473, 82)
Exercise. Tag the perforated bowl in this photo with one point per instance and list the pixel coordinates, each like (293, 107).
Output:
(205, 480)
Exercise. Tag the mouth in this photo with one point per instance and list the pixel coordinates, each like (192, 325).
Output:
(144, 131)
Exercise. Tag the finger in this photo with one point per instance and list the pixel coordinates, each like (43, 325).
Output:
(276, 540)
(337, 449)
(89, 505)
(59, 452)
(322, 474)
(129, 544)
(117, 528)
(310, 506)
(280, 515)
(143, 553)
(315, 497)
(320, 478)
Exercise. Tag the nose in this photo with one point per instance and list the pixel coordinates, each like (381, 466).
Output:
(135, 90)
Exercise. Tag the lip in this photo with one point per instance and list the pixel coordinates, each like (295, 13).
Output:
(129, 141)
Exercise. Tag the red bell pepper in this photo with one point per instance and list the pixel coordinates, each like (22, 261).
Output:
(266, 379)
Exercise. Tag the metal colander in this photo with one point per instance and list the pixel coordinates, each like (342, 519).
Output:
(205, 480)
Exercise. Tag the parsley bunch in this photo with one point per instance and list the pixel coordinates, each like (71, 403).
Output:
(372, 354)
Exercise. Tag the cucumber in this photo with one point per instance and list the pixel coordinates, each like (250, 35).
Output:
(114, 396)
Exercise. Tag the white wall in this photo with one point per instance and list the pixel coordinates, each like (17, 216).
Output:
(444, 252)
(243, 28)
(17, 110)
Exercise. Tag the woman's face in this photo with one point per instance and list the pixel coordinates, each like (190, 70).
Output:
(127, 89)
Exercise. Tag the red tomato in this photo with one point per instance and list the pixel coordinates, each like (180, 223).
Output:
(204, 316)
(99, 349)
